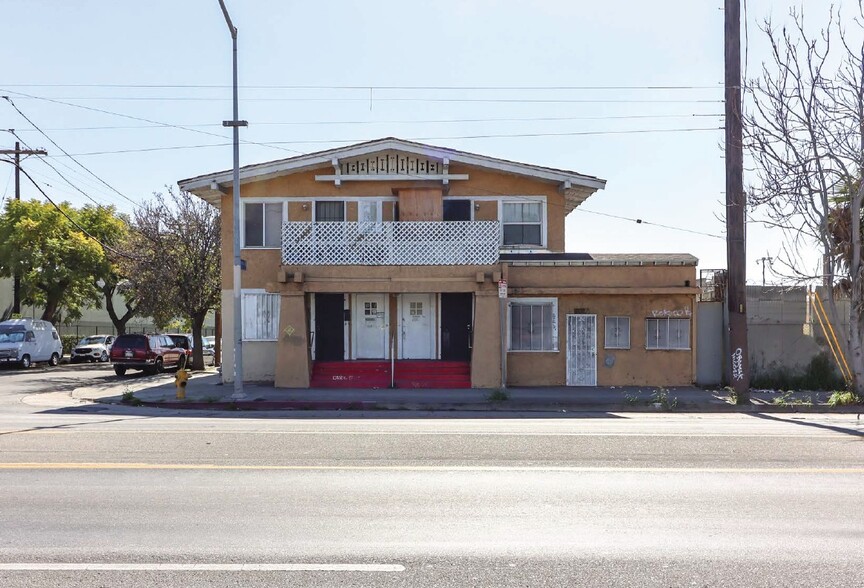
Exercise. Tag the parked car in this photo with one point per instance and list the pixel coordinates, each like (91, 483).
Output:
(150, 353)
(208, 345)
(184, 342)
(25, 341)
(93, 348)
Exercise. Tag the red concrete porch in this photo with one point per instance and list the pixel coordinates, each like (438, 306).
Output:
(376, 374)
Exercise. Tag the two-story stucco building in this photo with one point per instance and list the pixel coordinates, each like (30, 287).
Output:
(397, 263)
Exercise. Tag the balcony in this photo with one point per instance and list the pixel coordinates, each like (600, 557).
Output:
(391, 243)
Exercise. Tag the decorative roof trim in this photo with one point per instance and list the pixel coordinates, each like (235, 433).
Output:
(202, 185)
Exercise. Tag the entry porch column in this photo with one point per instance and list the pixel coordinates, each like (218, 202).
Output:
(486, 351)
(292, 350)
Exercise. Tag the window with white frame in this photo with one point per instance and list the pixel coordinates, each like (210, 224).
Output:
(617, 332)
(262, 224)
(522, 223)
(667, 333)
(533, 324)
(329, 211)
(260, 316)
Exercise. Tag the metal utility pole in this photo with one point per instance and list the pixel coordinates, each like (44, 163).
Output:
(235, 124)
(18, 152)
(736, 247)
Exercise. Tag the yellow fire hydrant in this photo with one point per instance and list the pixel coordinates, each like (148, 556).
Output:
(180, 380)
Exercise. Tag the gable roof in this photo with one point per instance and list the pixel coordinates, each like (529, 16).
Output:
(208, 186)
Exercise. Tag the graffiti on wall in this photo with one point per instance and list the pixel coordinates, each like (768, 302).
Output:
(679, 313)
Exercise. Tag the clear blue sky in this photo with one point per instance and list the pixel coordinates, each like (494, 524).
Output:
(124, 57)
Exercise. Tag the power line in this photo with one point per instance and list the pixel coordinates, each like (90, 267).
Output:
(381, 122)
(326, 141)
(138, 118)
(81, 165)
(82, 192)
(639, 221)
(75, 223)
(394, 99)
(717, 86)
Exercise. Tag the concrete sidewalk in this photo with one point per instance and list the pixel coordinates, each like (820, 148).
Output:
(205, 391)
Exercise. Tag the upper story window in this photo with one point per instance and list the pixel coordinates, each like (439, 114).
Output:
(262, 224)
(329, 211)
(522, 223)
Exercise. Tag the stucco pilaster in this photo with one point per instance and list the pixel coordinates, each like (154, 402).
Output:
(486, 350)
(292, 351)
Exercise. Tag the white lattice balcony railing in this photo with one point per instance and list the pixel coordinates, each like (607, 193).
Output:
(391, 243)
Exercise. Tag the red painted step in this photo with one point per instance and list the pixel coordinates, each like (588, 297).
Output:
(376, 374)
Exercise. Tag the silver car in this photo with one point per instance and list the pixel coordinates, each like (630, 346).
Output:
(93, 348)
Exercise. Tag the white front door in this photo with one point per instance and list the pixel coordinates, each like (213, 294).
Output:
(417, 326)
(581, 350)
(370, 326)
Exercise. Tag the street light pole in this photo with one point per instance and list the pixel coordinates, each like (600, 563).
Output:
(235, 124)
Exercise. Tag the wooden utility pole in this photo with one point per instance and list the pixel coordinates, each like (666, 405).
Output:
(736, 246)
(18, 152)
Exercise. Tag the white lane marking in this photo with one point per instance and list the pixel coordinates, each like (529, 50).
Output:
(169, 567)
(821, 435)
(421, 468)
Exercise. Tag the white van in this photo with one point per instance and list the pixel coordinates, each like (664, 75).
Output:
(24, 341)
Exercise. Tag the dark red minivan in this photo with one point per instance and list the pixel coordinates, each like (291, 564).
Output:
(150, 353)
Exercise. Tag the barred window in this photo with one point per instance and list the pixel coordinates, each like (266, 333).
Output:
(667, 333)
(329, 211)
(533, 324)
(617, 332)
(260, 316)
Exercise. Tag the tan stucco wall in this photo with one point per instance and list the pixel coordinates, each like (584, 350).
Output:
(486, 350)
(482, 184)
(635, 366)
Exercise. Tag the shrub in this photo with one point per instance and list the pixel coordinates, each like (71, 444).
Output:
(69, 343)
(843, 399)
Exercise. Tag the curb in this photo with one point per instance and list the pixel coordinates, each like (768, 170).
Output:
(364, 405)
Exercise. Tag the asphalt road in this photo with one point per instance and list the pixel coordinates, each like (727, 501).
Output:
(150, 498)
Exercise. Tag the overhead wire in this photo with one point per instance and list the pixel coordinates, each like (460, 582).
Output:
(74, 222)
(140, 119)
(458, 137)
(56, 171)
(385, 99)
(717, 86)
(404, 121)
(81, 165)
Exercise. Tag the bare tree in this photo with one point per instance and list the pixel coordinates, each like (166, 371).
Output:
(175, 269)
(805, 134)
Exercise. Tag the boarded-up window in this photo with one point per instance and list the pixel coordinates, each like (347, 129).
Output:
(260, 316)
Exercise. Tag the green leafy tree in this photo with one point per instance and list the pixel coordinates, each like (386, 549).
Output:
(175, 270)
(55, 258)
(113, 231)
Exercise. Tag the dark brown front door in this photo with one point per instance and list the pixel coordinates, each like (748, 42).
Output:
(456, 318)
(329, 327)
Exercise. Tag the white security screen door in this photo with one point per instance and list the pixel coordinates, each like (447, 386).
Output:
(370, 328)
(581, 350)
(418, 326)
